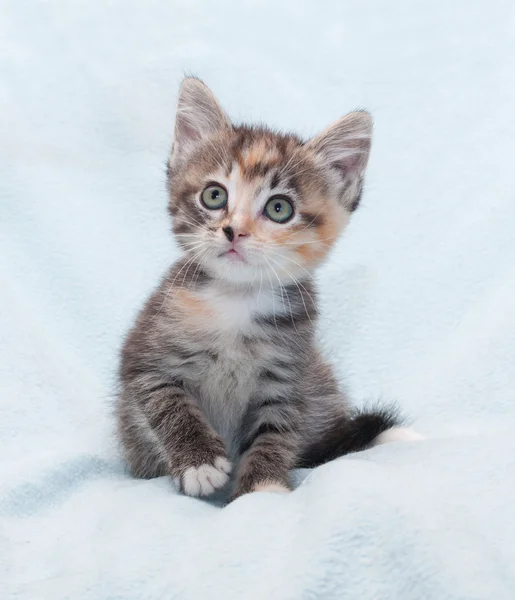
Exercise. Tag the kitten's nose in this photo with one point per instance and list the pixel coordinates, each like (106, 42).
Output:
(230, 234)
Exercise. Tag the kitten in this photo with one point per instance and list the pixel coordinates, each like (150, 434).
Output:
(221, 366)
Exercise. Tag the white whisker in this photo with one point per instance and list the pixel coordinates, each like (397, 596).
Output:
(170, 287)
(293, 261)
(283, 292)
(318, 241)
(297, 282)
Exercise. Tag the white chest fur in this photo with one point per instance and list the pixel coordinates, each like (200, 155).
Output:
(235, 311)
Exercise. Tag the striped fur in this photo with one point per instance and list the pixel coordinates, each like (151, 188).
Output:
(221, 366)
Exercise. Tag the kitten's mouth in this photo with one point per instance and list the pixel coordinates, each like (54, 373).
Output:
(234, 256)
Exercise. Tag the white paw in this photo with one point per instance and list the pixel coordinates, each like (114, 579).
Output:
(204, 480)
(398, 434)
(270, 486)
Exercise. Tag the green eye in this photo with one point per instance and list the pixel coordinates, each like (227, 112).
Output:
(279, 209)
(214, 197)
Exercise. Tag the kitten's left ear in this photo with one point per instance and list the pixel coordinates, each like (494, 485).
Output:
(345, 148)
(198, 115)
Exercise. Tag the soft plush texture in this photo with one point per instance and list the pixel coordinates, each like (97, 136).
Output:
(418, 298)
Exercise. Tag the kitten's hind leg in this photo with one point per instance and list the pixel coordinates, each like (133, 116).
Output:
(270, 441)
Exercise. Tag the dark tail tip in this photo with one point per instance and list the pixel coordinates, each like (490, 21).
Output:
(351, 433)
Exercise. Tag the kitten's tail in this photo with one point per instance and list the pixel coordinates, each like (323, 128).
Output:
(357, 431)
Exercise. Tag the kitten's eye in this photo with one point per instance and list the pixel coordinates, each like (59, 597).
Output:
(279, 209)
(214, 197)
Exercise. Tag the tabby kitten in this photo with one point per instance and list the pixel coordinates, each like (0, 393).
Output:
(222, 367)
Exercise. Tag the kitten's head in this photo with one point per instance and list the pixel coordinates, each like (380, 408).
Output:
(251, 205)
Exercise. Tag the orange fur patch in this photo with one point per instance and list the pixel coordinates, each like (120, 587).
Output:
(311, 253)
(261, 153)
(192, 306)
(326, 233)
(330, 229)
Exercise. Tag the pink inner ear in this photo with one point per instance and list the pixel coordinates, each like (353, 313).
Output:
(353, 162)
(350, 163)
(346, 144)
(186, 132)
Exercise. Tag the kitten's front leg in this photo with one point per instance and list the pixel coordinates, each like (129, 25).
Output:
(194, 454)
(270, 445)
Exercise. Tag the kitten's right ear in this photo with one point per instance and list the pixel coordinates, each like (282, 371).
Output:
(198, 115)
(346, 144)
(345, 147)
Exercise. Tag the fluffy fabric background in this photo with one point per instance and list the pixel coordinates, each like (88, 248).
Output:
(418, 299)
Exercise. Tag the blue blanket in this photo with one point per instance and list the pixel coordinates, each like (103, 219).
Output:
(418, 299)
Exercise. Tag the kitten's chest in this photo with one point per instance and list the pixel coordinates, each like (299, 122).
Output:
(225, 388)
(225, 383)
